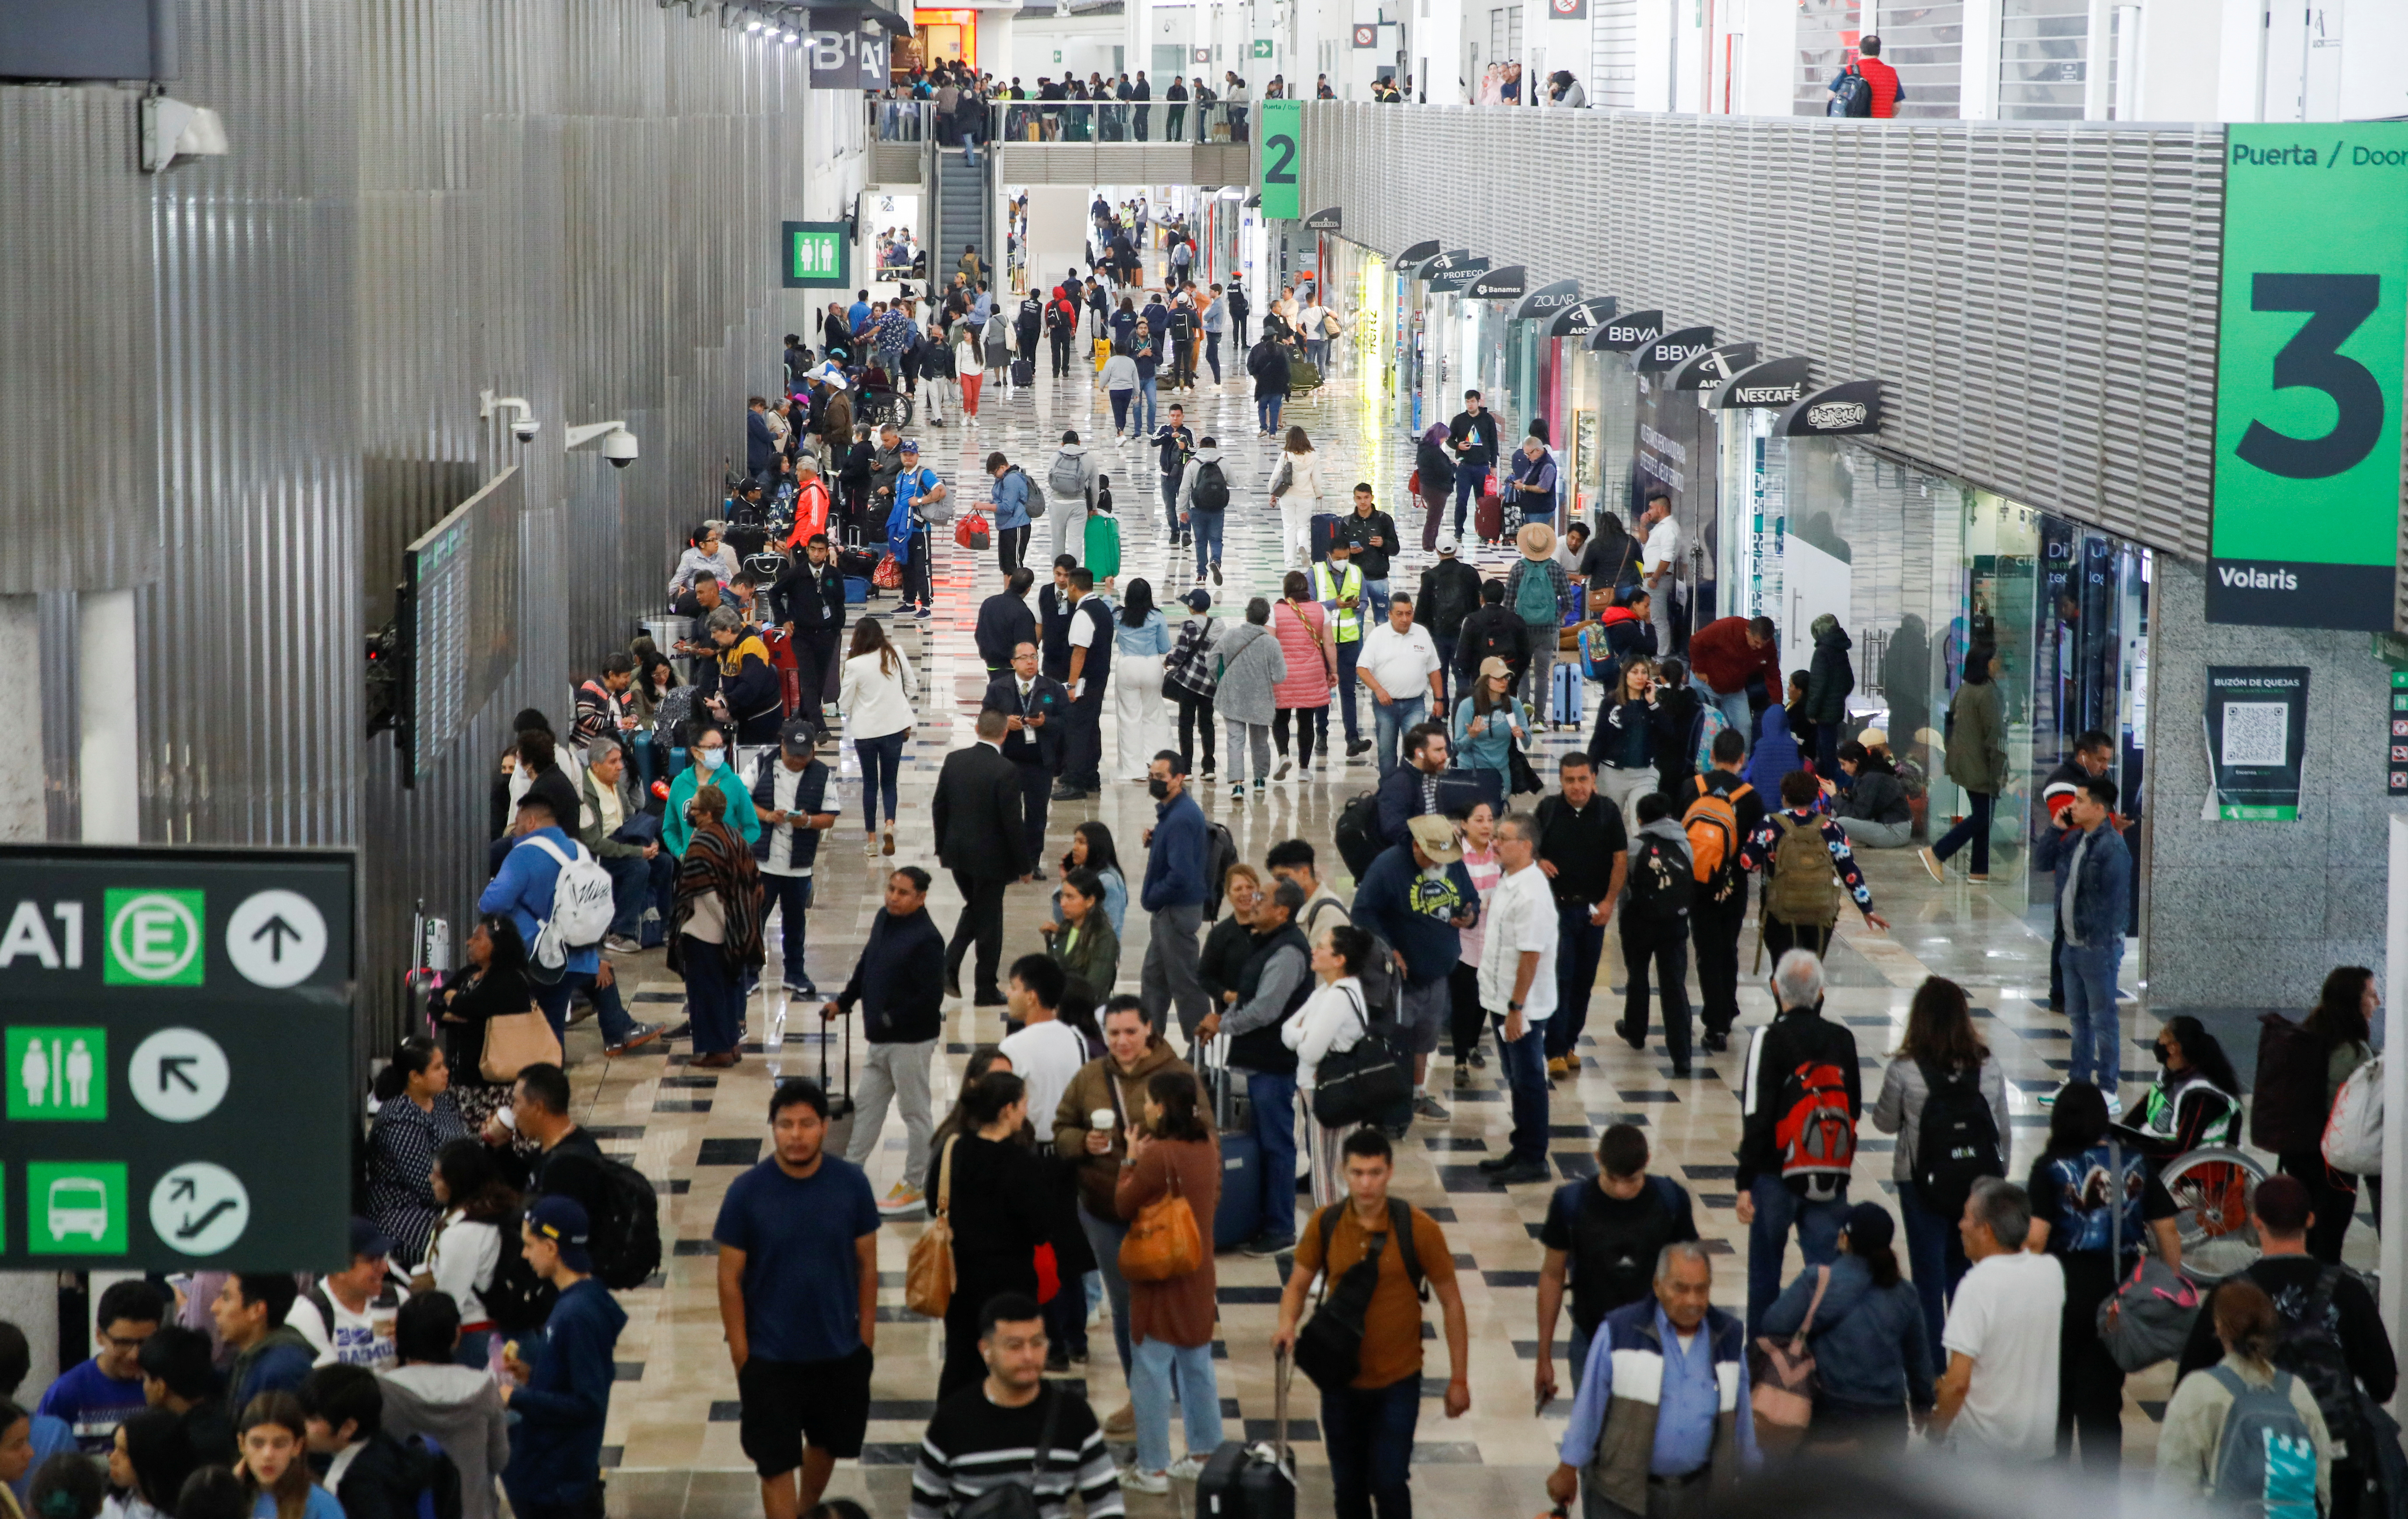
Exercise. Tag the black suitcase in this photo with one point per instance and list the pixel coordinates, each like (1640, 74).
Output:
(1251, 1481)
(840, 1105)
(1023, 371)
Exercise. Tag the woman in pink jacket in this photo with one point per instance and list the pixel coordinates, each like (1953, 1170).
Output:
(1302, 628)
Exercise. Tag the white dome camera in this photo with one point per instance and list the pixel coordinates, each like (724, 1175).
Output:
(618, 448)
(524, 429)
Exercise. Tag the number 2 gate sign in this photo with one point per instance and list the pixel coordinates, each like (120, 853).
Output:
(177, 1031)
(2312, 320)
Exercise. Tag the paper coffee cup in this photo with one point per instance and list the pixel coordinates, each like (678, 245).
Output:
(1103, 1121)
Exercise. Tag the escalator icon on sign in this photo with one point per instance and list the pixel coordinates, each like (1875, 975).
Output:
(199, 1209)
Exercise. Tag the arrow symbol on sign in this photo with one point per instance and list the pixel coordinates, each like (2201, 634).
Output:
(192, 1227)
(175, 1068)
(275, 931)
(185, 1188)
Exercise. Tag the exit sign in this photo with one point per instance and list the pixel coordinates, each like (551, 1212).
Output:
(816, 255)
(1262, 47)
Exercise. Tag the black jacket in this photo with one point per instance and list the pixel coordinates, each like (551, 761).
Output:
(977, 814)
(1360, 530)
(1047, 697)
(1053, 615)
(1003, 620)
(1267, 363)
(1450, 593)
(1794, 1039)
(385, 1478)
(812, 599)
(1437, 469)
(1475, 438)
(1491, 630)
(899, 980)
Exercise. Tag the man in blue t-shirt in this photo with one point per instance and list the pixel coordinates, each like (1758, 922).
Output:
(798, 1298)
(94, 1397)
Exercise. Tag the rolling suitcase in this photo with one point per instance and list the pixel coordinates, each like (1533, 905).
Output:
(1023, 371)
(840, 1109)
(1325, 533)
(1239, 1217)
(1565, 693)
(790, 672)
(1488, 516)
(1252, 1481)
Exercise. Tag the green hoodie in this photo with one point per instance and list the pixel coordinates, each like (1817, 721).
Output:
(274, 1363)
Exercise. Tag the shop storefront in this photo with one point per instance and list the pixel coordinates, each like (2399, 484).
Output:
(1415, 358)
(1361, 290)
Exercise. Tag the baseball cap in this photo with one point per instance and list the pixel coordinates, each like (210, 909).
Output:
(1447, 546)
(1435, 837)
(1867, 1226)
(909, 445)
(1494, 666)
(798, 736)
(1873, 738)
(369, 1241)
(563, 1221)
(1200, 600)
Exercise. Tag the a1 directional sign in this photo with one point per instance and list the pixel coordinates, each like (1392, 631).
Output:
(179, 1080)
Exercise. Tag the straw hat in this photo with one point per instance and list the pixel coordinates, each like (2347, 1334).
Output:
(1536, 541)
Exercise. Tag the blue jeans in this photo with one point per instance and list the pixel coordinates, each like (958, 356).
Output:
(1148, 403)
(1120, 409)
(714, 995)
(881, 768)
(1375, 594)
(1348, 653)
(1388, 725)
(636, 884)
(2090, 1008)
(1470, 480)
(1935, 1254)
(1170, 501)
(1274, 1119)
(608, 1014)
(1732, 705)
(1525, 1077)
(1161, 1370)
(1267, 411)
(1818, 1239)
(793, 896)
(1369, 1432)
(1104, 1237)
(1579, 945)
(1445, 674)
(1206, 526)
(1974, 828)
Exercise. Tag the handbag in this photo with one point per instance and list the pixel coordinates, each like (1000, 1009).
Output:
(1781, 1380)
(1163, 1241)
(888, 576)
(1364, 1085)
(2147, 1319)
(1014, 1498)
(974, 531)
(929, 1275)
(1526, 780)
(514, 1041)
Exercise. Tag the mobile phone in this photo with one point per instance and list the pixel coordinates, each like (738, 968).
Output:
(1539, 1404)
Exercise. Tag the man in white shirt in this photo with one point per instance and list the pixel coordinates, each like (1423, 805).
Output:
(1517, 989)
(1999, 1395)
(790, 793)
(1399, 663)
(348, 1317)
(1044, 1052)
(1657, 567)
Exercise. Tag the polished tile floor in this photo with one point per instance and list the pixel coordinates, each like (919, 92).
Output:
(672, 1433)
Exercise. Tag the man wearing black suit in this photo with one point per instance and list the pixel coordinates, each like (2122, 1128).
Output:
(979, 839)
(1054, 607)
(1004, 619)
(1035, 707)
(809, 601)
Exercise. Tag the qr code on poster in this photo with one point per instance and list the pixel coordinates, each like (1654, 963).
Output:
(2257, 733)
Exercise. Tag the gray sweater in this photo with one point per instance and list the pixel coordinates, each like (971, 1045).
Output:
(1898, 1110)
(1251, 665)
(459, 1409)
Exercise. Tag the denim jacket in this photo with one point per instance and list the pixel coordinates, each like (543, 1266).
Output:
(2100, 905)
(1870, 1342)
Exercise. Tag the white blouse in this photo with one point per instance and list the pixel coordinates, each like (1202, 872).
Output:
(1332, 1021)
(875, 702)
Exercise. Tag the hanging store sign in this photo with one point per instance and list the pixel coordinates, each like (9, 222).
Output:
(1579, 319)
(1460, 269)
(816, 255)
(1327, 219)
(1411, 259)
(1622, 334)
(1510, 283)
(1281, 135)
(1714, 368)
(1543, 302)
(1776, 382)
(1673, 349)
(1834, 412)
(853, 56)
(2257, 722)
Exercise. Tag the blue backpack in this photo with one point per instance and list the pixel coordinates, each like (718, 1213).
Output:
(1852, 95)
(2265, 1458)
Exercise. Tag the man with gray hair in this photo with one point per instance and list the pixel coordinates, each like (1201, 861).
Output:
(1800, 1102)
(627, 840)
(1276, 980)
(1667, 1431)
(1999, 1395)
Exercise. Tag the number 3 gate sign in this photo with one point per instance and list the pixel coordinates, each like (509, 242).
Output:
(2314, 315)
(1282, 129)
(178, 1084)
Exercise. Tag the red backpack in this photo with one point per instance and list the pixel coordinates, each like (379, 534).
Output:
(1816, 1135)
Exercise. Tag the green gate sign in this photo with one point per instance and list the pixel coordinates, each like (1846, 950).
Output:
(1282, 139)
(2313, 318)
(817, 254)
(179, 1087)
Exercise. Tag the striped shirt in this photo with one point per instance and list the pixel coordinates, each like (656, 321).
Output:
(972, 1446)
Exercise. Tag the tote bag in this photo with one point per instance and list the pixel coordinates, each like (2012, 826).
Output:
(1164, 1241)
(928, 1274)
(514, 1041)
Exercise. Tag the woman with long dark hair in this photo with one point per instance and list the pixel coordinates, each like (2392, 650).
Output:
(1092, 849)
(468, 1246)
(1301, 624)
(2195, 1101)
(1140, 641)
(1871, 1359)
(1000, 1204)
(1940, 1047)
(1435, 470)
(416, 1117)
(274, 1462)
(1977, 761)
(876, 695)
(495, 985)
(152, 1458)
(2075, 1185)
(715, 931)
(2341, 1022)
(1172, 1153)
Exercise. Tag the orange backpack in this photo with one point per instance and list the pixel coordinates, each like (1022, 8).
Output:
(1711, 823)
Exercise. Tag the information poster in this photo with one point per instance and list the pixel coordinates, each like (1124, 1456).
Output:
(2310, 338)
(1282, 144)
(2257, 723)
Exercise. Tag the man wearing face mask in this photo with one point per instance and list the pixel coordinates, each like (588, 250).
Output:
(1174, 894)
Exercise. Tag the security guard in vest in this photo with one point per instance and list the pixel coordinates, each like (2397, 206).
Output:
(1338, 586)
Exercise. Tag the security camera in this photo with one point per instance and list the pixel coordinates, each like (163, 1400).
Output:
(618, 448)
(524, 429)
(523, 423)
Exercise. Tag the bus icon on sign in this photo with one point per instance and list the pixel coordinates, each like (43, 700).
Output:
(77, 1205)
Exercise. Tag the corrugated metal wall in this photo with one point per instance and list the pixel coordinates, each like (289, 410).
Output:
(245, 384)
(2039, 303)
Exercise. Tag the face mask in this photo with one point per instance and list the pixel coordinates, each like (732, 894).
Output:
(1160, 788)
(713, 758)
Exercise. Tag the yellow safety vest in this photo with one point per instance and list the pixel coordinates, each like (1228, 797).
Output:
(1329, 589)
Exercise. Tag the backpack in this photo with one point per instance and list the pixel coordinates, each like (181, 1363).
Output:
(1356, 832)
(518, 1301)
(2307, 1347)
(1598, 659)
(1712, 724)
(1211, 491)
(1220, 853)
(1369, 1082)
(1712, 823)
(581, 910)
(624, 1216)
(1329, 1347)
(1068, 476)
(1534, 600)
(1803, 889)
(437, 1476)
(1036, 503)
(2265, 1457)
(1852, 94)
(1816, 1135)
(1661, 886)
(2288, 1113)
(2354, 1134)
(1956, 1143)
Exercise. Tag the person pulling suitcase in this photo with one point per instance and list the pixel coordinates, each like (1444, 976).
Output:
(899, 982)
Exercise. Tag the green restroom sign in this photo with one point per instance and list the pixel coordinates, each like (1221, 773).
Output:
(816, 255)
(1281, 140)
(2313, 324)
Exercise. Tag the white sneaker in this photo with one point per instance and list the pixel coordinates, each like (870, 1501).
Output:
(2114, 1105)
(1186, 1470)
(1135, 1481)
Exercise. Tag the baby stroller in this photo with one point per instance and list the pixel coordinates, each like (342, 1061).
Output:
(880, 401)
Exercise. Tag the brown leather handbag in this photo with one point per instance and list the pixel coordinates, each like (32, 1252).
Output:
(928, 1276)
(1164, 1241)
